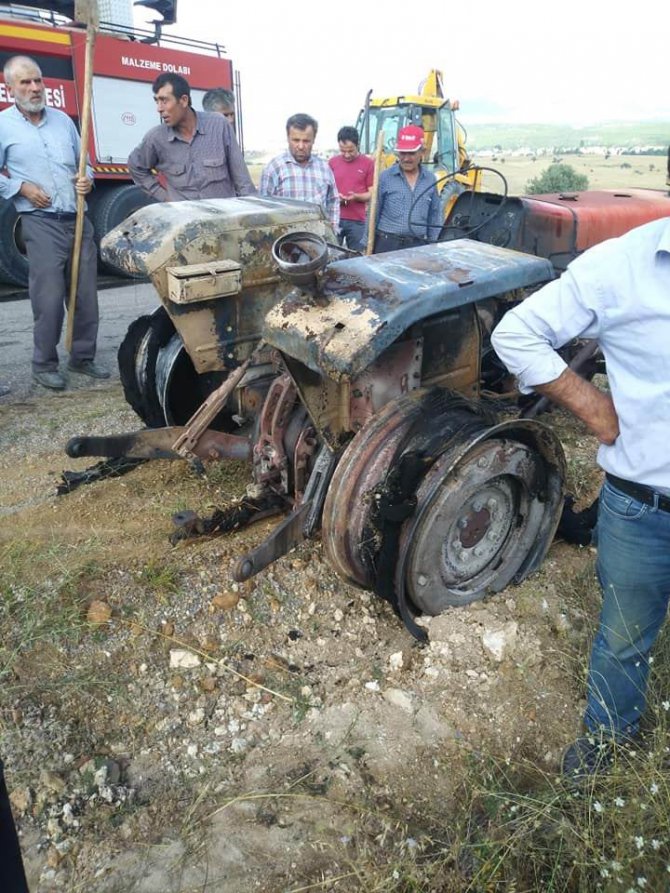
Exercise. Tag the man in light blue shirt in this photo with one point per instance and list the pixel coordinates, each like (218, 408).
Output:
(39, 147)
(618, 293)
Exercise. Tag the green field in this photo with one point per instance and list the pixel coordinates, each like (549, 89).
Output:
(614, 133)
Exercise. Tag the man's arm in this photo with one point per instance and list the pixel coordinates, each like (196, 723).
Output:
(269, 185)
(237, 168)
(76, 145)
(361, 196)
(140, 163)
(527, 337)
(369, 182)
(435, 217)
(12, 186)
(332, 200)
(584, 400)
(9, 186)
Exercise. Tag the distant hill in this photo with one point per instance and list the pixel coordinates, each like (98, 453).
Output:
(622, 134)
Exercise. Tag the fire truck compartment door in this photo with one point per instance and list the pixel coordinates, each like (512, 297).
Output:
(123, 111)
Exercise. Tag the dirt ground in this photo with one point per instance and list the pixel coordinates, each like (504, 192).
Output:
(164, 729)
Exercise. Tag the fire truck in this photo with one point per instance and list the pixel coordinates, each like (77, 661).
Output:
(126, 62)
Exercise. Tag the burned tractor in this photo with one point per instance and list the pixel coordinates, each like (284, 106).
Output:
(352, 385)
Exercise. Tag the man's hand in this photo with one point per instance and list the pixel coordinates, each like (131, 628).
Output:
(37, 197)
(595, 408)
(83, 185)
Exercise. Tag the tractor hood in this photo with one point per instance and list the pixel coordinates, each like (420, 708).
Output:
(364, 304)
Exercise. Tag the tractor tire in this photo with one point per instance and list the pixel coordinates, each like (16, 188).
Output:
(13, 260)
(110, 208)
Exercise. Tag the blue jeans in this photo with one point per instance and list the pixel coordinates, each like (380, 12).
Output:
(634, 573)
(352, 232)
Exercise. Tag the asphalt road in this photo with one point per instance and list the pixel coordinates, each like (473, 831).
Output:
(119, 306)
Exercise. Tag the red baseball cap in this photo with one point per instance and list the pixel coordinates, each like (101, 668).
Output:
(410, 139)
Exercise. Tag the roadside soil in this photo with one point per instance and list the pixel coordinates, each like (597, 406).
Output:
(164, 729)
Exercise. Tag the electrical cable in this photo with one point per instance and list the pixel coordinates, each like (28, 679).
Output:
(450, 176)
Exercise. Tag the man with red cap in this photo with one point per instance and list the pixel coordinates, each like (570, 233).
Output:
(409, 211)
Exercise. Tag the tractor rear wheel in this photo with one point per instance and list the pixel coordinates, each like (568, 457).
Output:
(432, 505)
(480, 522)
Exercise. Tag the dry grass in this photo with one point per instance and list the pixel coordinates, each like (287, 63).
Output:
(616, 172)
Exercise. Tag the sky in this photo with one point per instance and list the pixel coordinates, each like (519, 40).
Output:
(572, 62)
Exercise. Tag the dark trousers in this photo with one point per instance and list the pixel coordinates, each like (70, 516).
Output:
(12, 875)
(394, 242)
(352, 232)
(49, 242)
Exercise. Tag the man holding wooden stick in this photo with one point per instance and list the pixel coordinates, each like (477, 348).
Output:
(40, 149)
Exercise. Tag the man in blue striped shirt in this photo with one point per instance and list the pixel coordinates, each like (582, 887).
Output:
(408, 206)
(297, 173)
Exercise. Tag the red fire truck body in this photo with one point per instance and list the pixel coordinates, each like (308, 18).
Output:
(122, 106)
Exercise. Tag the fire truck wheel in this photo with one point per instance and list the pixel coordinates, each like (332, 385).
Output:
(13, 261)
(109, 208)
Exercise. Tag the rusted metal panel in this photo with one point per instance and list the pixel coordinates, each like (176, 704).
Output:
(561, 226)
(367, 303)
(558, 226)
(396, 372)
(339, 408)
(218, 329)
(452, 351)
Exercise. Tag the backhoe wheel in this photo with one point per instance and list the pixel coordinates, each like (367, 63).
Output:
(484, 518)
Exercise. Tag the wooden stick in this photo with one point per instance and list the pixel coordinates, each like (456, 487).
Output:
(372, 213)
(85, 122)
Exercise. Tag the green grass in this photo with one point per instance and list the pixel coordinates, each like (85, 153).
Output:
(36, 613)
(159, 577)
(615, 133)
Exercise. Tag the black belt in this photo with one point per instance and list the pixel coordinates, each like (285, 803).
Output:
(397, 237)
(641, 492)
(53, 215)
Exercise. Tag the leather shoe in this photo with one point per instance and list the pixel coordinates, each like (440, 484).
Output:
(52, 380)
(88, 367)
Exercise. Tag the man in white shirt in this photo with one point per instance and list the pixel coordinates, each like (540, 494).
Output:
(618, 293)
